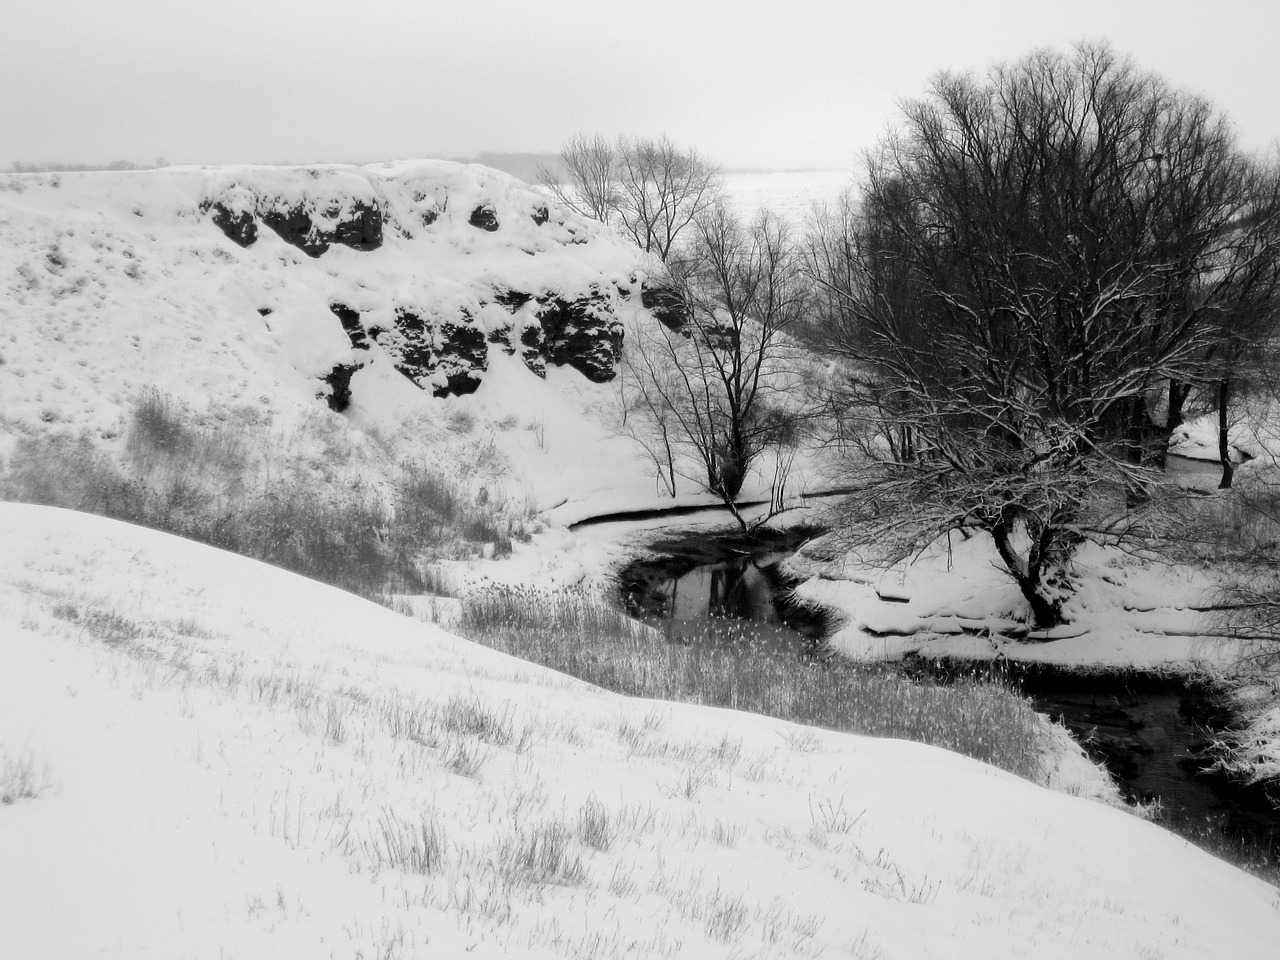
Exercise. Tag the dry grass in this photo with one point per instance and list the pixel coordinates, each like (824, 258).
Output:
(575, 634)
(22, 777)
(230, 480)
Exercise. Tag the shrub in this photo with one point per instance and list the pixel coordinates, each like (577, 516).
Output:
(21, 779)
(157, 425)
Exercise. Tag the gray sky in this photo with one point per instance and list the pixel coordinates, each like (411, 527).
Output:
(787, 83)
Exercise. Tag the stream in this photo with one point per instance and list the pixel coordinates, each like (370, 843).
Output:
(1151, 733)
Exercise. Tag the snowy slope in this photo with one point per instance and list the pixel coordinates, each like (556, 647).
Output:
(226, 288)
(231, 761)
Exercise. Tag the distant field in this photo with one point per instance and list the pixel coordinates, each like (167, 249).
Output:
(790, 193)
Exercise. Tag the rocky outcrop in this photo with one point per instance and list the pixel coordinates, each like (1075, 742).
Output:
(533, 342)
(665, 303)
(584, 334)
(445, 357)
(239, 226)
(338, 381)
(350, 320)
(580, 332)
(360, 229)
(484, 217)
(309, 226)
(440, 326)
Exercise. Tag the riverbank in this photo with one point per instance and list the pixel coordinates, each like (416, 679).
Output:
(1126, 617)
(1163, 735)
(584, 563)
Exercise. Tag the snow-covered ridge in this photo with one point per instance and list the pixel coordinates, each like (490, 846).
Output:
(428, 266)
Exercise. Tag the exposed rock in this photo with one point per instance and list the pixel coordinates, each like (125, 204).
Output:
(338, 396)
(484, 217)
(532, 343)
(427, 352)
(583, 334)
(541, 215)
(665, 303)
(293, 226)
(511, 300)
(361, 231)
(239, 227)
(502, 337)
(350, 320)
(463, 359)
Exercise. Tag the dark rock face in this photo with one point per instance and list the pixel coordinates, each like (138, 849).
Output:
(422, 350)
(239, 227)
(350, 320)
(541, 215)
(362, 230)
(293, 226)
(338, 396)
(484, 217)
(464, 357)
(665, 303)
(533, 341)
(583, 334)
(511, 300)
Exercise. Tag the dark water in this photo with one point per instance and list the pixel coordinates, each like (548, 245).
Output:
(696, 585)
(1154, 734)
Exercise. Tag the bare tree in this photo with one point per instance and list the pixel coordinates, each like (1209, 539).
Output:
(587, 181)
(649, 189)
(1037, 258)
(663, 190)
(712, 396)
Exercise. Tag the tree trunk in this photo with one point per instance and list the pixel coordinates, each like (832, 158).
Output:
(1043, 612)
(1224, 449)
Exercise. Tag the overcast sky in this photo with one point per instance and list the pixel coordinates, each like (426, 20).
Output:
(787, 83)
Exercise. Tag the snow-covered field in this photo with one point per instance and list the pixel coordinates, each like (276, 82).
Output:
(791, 194)
(226, 760)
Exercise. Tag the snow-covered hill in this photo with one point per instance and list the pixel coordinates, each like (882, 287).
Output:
(413, 297)
(209, 757)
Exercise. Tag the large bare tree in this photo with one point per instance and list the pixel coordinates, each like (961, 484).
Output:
(1040, 261)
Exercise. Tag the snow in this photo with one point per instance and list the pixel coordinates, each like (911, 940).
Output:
(222, 762)
(791, 194)
(955, 600)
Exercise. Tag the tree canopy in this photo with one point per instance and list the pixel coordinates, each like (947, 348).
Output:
(1041, 261)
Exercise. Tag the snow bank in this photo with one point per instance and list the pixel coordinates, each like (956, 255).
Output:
(242, 762)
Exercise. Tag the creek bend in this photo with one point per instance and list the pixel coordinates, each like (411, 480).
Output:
(1152, 733)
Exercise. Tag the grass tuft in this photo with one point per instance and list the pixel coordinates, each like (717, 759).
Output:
(22, 778)
(541, 855)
